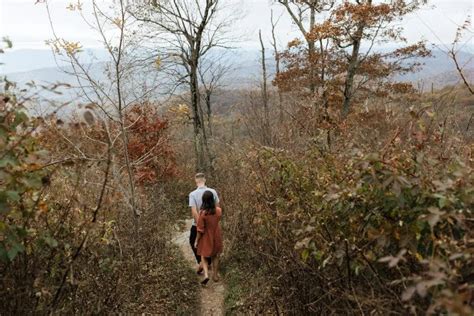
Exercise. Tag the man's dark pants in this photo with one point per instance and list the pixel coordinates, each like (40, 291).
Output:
(192, 241)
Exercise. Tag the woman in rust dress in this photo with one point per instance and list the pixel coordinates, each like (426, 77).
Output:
(209, 238)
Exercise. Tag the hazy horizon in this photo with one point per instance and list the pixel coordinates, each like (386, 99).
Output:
(29, 33)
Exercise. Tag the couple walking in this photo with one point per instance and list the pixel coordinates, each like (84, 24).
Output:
(205, 236)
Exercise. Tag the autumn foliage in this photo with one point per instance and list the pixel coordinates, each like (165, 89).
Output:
(67, 243)
(149, 145)
(380, 223)
(365, 205)
(337, 70)
(344, 190)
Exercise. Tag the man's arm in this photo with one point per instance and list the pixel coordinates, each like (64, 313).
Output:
(193, 205)
(194, 213)
(216, 199)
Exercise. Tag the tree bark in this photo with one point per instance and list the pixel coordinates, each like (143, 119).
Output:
(351, 71)
(312, 52)
(277, 66)
(199, 138)
(266, 111)
(352, 68)
(209, 111)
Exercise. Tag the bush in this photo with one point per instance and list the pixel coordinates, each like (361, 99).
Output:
(68, 241)
(382, 227)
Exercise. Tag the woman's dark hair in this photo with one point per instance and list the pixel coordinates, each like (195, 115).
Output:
(208, 203)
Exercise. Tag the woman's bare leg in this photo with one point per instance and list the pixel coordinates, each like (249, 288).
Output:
(200, 268)
(205, 266)
(215, 268)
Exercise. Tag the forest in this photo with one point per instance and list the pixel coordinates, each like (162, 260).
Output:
(345, 189)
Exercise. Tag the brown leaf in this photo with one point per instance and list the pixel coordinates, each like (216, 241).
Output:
(408, 293)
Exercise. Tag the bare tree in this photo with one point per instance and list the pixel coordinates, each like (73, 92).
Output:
(266, 112)
(187, 30)
(109, 100)
(276, 55)
(211, 73)
(111, 92)
(453, 52)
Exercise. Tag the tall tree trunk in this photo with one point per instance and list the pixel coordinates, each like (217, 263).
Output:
(277, 66)
(208, 157)
(209, 112)
(351, 71)
(197, 118)
(352, 68)
(311, 52)
(266, 111)
(323, 77)
(200, 137)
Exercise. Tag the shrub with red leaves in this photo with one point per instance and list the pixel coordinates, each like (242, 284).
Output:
(149, 146)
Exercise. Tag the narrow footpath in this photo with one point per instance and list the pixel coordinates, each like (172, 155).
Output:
(211, 295)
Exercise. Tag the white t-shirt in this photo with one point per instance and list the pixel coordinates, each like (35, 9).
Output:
(195, 198)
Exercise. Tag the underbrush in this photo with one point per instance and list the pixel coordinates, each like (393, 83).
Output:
(379, 221)
(69, 242)
(237, 272)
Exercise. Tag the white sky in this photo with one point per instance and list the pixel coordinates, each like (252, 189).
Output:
(27, 24)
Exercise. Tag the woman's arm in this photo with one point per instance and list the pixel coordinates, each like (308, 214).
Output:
(200, 226)
(199, 234)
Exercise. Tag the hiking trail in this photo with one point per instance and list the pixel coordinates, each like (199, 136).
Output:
(211, 295)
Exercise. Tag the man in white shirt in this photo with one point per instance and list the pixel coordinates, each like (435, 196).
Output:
(195, 202)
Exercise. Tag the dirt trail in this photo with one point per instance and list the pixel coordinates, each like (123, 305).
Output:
(212, 295)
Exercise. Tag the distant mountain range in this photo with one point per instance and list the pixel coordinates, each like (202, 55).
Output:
(22, 60)
(40, 66)
(440, 70)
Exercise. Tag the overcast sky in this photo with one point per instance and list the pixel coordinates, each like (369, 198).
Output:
(28, 26)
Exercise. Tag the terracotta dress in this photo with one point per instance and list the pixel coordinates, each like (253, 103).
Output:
(210, 243)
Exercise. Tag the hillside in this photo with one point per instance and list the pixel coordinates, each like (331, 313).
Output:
(244, 71)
